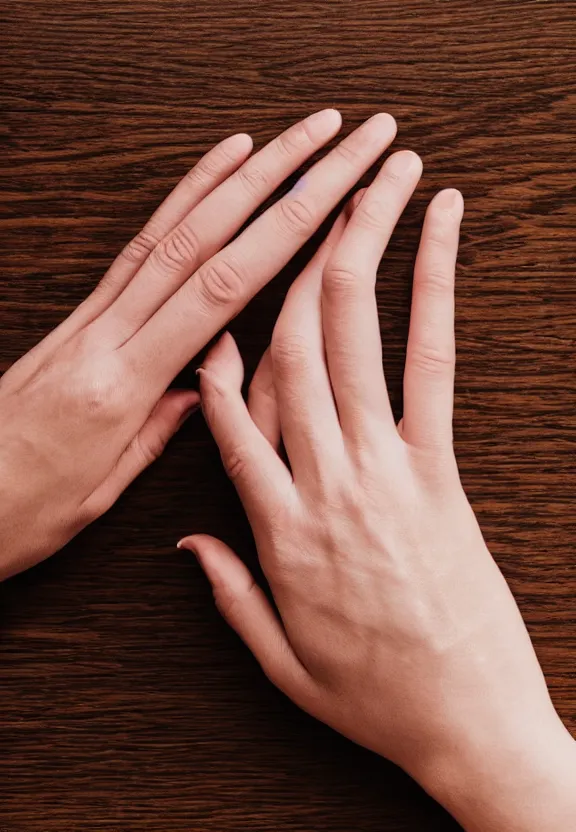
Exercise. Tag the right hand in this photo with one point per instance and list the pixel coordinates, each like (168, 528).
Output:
(87, 409)
(395, 625)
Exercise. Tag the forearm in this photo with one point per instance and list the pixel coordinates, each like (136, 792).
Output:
(528, 787)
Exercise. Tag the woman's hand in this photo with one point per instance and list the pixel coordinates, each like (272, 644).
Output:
(87, 409)
(396, 626)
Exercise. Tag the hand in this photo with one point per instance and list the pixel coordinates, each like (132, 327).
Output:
(86, 410)
(396, 626)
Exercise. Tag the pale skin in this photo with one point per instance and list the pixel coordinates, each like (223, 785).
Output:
(395, 626)
(87, 409)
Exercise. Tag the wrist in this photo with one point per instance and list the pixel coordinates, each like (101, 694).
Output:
(502, 784)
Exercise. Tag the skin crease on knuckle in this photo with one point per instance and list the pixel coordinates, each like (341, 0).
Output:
(430, 360)
(140, 246)
(294, 217)
(290, 353)
(341, 279)
(372, 214)
(294, 141)
(179, 249)
(219, 283)
(253, 179)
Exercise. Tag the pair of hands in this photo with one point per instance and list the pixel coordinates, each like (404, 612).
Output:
(395, 626)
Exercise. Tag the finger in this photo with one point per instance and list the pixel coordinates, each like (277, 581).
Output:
(212, 169)
(247, 610)
(168, 416)
(263, 482)
(216, 219)
(308, 418)
(349, 309)
(431, 353)
(262, 402)
(226, 282)
(262, 399)
(207, 174)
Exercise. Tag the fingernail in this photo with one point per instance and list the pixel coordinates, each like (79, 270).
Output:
(404, 162)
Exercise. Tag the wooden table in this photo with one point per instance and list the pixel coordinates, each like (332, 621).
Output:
(125, 702)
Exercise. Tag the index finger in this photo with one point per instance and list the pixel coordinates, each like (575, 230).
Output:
(226, 282)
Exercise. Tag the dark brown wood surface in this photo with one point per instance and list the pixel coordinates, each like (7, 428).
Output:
(125, 702)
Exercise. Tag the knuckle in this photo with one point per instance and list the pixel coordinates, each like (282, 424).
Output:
(148, 450)
(211, 166)
(340, 279)
(180, 248)
(438, 281)
(234, 461)
(289, 352)
(220, 283)
(99, 396)
(295, 217)
(253, 179)
(432, 361)
(112, 282)
(372, 214)
(138, 249)
(96, 388)
(347, 152)
(202, 173)
(231, 603)
(226, 602)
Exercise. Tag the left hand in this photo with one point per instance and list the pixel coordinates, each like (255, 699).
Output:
(396, 626)
(88, 408)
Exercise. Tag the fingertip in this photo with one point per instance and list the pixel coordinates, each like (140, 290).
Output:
(404, 163)
(237, 147)
(218, 561)
(451, 201)
(228, 343)
(195, 545)
(385, 123)
(323, 124)
(225, 359)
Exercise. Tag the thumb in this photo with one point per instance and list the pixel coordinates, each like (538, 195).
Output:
(245, 607)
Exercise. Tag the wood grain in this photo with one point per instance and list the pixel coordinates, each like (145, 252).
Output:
(126, 704)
